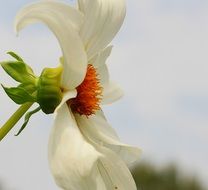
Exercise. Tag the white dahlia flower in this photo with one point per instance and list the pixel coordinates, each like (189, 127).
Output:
(84, 151)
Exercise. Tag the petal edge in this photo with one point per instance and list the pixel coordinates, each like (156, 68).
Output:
(75, 58)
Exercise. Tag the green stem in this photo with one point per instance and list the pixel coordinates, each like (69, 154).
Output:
(14, 119)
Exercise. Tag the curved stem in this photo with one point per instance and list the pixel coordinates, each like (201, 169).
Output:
(14, 119)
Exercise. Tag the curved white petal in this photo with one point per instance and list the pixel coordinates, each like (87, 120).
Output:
(71, 14)
(72, 159)
(97, 129)
(64, 26)
(103, 75)
(99, 62)
(114, 172)
(100, 59)
(111, 93)
(77, 164)
(103, 19)
(66, 96)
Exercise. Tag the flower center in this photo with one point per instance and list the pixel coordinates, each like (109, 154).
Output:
(89, 94)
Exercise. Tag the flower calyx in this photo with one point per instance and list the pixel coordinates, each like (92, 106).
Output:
(49, 94)
(44, 90)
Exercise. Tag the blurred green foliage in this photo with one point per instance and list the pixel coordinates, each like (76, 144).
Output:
(148, 177)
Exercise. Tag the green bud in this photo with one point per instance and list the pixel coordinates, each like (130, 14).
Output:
(49, 94)
(45, 90)
(19, 70)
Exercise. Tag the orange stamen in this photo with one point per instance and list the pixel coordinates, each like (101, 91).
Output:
(89, 94)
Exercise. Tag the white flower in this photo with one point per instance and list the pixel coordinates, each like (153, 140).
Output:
(84, 151)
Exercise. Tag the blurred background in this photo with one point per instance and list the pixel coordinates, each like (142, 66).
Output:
(160, 59)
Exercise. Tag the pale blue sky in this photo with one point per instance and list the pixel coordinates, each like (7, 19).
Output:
(159, 58)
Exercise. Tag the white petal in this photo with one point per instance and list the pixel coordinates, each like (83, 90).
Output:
(99, 62)
(74, 16)
(66, 96)
(72, 159)
(97, 129)
(103, 19)
(100, 59)
(111, 93)
(114, 172)
(103, 75)
(76, 164)
(64, 26)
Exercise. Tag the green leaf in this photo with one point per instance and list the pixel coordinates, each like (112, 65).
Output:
(27, 118)
(19, 95)
(19, 71)
(17, 57)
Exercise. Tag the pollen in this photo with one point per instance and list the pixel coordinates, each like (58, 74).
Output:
(89, 94)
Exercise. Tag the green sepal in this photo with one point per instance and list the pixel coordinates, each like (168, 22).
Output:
(27, 118)
(14, 55)
(31, 88)
(19, 71)
(49, 94)
(19, 95)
